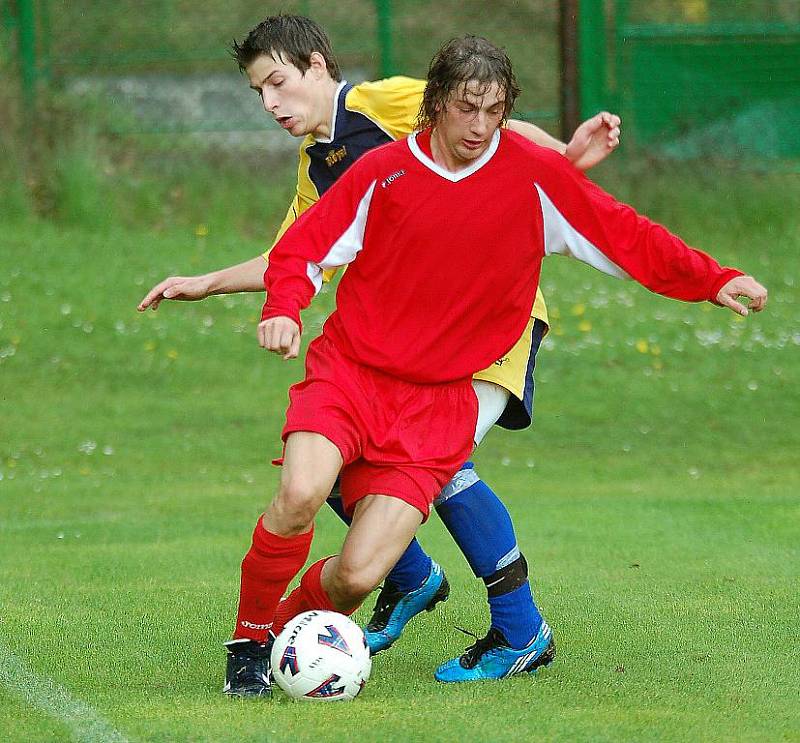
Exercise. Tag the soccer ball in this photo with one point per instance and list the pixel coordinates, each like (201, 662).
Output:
(321, 656)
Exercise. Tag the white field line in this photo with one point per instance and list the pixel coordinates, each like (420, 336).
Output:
(83, 721)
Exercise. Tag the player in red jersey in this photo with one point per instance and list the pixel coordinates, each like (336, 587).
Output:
(289, 62)
(387, 399)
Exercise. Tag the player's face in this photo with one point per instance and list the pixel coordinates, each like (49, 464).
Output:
(470, 118)
(296, 100)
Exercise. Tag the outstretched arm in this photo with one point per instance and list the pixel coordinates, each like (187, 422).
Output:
(243, 277)
(583, 221)
(594, 140)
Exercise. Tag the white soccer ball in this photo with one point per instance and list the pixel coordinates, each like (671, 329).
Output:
(321, 656)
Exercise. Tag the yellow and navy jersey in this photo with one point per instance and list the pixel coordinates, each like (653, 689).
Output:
(364, 116)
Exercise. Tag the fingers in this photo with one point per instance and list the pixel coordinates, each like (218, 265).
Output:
(590, 132)
(185, 288)
(604, 118)
(270, 334)
(756, 292)
(294, 347)
(758, 303)
(613, 124)
(612, 121)
(286, 342)
(743, 286)
(280, 335)
(154, 296)
(727, 300)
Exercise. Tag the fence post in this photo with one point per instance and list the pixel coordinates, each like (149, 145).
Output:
(27, 51)
(45, 71)
(570, 95)
(384, 9)
(592, 56)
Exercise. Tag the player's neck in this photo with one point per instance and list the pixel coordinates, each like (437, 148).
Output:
(444, 157)
(327, 101)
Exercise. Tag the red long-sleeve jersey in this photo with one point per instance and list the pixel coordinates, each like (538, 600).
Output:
(468, 246)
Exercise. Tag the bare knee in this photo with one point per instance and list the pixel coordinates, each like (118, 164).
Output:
(296, 504)
(352, 583)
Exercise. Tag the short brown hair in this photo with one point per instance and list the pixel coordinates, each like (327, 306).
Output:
(290, 37)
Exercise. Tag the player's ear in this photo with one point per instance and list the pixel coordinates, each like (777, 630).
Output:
(317, 65)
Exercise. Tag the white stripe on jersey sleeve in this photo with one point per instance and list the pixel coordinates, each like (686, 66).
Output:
(561, 238)
(345, 249)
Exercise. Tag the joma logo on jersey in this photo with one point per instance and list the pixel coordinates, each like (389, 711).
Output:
(502, 361)
(392, 178)
(335, 156)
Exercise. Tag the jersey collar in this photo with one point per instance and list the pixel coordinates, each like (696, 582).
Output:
(461, 174)
(339, 89)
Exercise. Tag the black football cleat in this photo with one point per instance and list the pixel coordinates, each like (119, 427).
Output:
(248, 670)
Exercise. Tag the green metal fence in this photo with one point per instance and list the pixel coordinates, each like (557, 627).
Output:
(696, 76)
(114, 50)
(81, 44)
(528, 29)
(689, 77)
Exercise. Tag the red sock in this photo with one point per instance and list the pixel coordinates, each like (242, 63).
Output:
(308, 595)
(267, 568)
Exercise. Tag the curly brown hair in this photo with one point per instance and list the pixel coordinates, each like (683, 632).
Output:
(460, 61)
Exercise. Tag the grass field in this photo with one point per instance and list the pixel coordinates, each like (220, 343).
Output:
(655, 497)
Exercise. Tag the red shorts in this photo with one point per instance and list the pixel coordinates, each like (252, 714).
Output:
(396, 438)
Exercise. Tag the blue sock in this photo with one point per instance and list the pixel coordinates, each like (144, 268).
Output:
(412, 569)
(516, 616)
(481, 526)
(414, 565)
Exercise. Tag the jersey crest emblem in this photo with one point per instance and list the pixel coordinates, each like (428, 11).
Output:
(335, 156)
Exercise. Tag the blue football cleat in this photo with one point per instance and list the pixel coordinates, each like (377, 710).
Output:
(394, 609)
(491, 658)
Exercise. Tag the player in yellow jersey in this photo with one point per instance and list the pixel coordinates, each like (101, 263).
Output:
(289, 63)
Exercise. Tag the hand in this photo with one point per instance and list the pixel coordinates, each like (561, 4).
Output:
(594, 140)
(183, 288)
(743, 286)
(280, 335)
